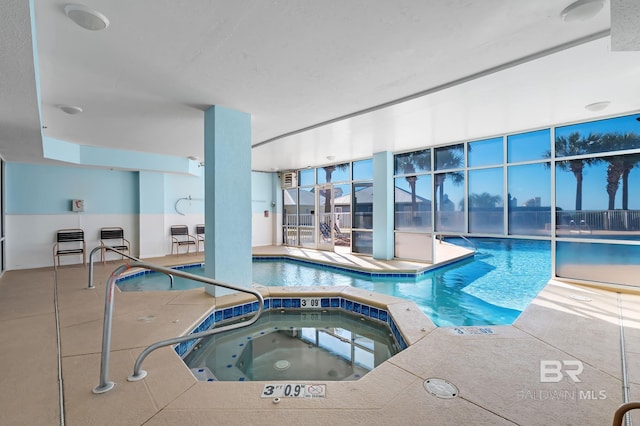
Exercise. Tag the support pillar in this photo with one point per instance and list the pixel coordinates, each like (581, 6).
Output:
(227, 187)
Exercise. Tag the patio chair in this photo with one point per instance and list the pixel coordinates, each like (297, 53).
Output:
(342, 238)
(180, 237)
(325, 230)
(113, 237)
(200, 235)
(69, 242)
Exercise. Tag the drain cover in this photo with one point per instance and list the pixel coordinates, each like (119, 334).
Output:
(441, 388)
(283, 364)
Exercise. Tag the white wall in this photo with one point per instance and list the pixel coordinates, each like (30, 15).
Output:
(30, 238)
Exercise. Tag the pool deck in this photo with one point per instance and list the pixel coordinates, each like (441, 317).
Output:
(496, 368)
(445, 254)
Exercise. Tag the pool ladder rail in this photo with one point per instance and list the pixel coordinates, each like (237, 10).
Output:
(621, 413)
(107, 248)
(139, 374)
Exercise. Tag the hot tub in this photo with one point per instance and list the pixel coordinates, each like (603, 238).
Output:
(295, 345)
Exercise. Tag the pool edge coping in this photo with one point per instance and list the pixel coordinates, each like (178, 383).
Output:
(367, 272)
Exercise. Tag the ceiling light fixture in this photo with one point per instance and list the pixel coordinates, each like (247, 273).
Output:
(70, 109)
(87, 18)
(331, 157)
(597, 106)
(581, 10)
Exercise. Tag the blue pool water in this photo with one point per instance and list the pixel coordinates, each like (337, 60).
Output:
(491, 289)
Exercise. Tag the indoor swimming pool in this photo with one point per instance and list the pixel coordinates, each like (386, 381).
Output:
(492, 288)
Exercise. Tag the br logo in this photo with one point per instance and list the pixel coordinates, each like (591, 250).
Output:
(552, 371)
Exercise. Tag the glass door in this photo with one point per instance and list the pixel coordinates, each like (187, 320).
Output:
(325, 237)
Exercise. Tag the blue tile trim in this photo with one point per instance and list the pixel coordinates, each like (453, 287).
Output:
(147, 271)
(224, 314)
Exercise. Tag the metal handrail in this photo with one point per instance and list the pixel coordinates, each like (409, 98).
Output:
(138, 374)
(442, 236)
(107, 248)
(622, 410)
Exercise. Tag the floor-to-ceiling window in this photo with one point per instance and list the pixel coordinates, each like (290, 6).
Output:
(298, 207)
(529, 183)
(574, 184)
(413, 186)
(597, 171)
(486, 186)
(333, 192)
(449, 188)
(507, 185)
(319, 211)
(362, 202)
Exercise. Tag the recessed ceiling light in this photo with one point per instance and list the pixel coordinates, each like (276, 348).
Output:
(582, 10)
(70, 109)
(331, 157)
(597, 106)
(87, 18)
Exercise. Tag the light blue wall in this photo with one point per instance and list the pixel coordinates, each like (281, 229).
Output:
(56, 149)
(48, 189)
(151, 193)
(183, 186)
(69, 152)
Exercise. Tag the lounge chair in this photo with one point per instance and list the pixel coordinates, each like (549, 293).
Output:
(200, 235)
(113, 237)
(180, 237)
(69, 242)
(342, 238)
(325, 230)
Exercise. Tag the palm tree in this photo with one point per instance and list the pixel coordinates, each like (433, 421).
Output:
(630, 161)
(614, 172)
(574, 145)
(619, 165)
(484, 201)
(449, 158)
(328, 170)
(407, 164)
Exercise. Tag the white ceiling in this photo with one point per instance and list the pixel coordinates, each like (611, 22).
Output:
(467, 69)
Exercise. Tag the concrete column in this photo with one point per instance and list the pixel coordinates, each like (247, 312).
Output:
(227, 187)
(383, 247)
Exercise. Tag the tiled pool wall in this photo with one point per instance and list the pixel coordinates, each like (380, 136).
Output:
(299, 261)
(148, 271)
(373, 313)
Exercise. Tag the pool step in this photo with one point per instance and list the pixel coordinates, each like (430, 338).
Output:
(203, 374)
